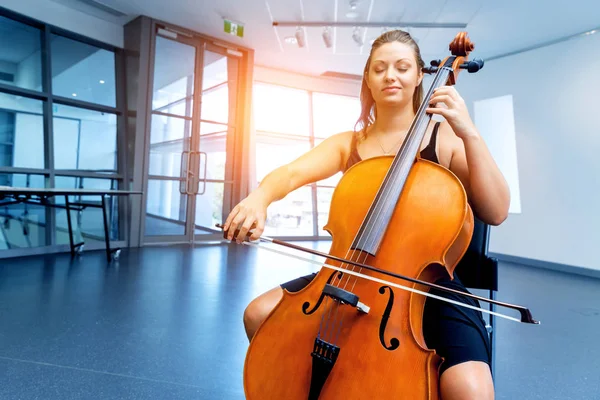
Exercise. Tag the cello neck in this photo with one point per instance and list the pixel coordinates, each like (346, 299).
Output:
(410, 147)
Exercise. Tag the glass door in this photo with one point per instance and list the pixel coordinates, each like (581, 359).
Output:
(220, 77)
(194, 106)
(170, 149)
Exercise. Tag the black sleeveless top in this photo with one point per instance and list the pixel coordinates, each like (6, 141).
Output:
(428, 153)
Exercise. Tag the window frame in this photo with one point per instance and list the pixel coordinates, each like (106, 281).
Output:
(311, 138)
(120, 175)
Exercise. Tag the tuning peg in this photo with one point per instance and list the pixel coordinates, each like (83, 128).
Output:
(433, 67)
(473, 66)
(429, 70)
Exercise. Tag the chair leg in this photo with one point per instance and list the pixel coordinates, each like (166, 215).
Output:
(492, 334)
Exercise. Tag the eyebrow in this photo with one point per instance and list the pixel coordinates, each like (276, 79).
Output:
(397, 61)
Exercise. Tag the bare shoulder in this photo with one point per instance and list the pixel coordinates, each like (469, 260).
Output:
(342, 142)
(344, 138)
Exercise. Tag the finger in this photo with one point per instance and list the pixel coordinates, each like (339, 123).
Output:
(442, 89)
(440, 111)
(228, 223)
(446, 90)
(260, 227)
(453, 93)
(231, 215)
(446, 99)
(245, 228)
(235, 225)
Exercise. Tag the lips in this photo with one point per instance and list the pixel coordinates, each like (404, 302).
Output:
(391, 89)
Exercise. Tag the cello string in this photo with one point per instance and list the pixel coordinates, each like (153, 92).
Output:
(386, 194)
(395, 167)
(393, 170)
(350, 255)
(329, 324)
(340, 324)
(336, 304)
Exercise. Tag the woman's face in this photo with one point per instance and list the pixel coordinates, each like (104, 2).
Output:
(393, 74)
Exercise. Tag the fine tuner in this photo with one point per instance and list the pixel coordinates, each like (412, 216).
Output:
(471, 66)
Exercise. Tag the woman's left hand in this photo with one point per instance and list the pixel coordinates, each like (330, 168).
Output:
(455, 112)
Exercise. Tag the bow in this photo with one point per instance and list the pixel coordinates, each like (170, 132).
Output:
(525, 313)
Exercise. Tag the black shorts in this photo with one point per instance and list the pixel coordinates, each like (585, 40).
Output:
(456, 333)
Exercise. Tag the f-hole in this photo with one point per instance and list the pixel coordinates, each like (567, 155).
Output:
(394, 342)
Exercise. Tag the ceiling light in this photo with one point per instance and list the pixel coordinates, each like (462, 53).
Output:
(356, 36)
(101, 82)
(290, 39)
(74, 94)
(300, 37)
(327, 38)
(352, 13)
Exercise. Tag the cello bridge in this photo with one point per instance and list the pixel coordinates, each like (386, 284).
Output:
(345, 297)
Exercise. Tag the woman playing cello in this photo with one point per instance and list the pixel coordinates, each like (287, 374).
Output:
(391, 94)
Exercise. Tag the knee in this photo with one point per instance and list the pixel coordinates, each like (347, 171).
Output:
(473, 389)
(473, 384)
(254, 315)
(258, 310)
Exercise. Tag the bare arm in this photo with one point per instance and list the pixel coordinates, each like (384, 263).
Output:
(485, 184)
(319, 163)
(471, 160)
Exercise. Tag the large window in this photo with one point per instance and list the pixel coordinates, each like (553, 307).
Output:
(284, 131)
(84, 139)
(59, 127)
(21, 132)
(22, 225)
(20, 54)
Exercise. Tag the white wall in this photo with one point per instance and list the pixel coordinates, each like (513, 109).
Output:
(69, 19)
(558, 148)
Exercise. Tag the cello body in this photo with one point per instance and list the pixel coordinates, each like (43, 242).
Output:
(381, 354)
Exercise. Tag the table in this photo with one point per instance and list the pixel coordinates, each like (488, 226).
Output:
(40, 196)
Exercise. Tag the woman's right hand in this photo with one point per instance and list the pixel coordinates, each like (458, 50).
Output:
(250, 212)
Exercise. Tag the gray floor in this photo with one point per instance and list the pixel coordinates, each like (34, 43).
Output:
(165, 323)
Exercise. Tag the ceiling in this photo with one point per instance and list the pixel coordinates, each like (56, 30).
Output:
(495, 27)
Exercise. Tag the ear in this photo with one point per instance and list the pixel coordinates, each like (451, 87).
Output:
(420, 78)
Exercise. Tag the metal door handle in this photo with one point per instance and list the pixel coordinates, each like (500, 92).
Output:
(204, 177)
(195, 182)
(184, 172)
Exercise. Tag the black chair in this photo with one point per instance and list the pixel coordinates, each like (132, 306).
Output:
(477, 270)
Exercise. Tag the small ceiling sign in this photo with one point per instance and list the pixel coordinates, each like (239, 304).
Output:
(233, 28)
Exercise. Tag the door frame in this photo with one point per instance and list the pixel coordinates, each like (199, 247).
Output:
(230, 141)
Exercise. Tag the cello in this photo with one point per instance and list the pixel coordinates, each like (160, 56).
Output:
(349, 333)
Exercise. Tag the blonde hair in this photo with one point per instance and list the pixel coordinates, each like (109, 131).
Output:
(368, 112)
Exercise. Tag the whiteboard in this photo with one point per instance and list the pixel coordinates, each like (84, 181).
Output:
(495, 121)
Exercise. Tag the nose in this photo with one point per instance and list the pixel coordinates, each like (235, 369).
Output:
(389, 76)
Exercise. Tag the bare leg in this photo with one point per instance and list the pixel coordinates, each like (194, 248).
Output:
(467, 381)
(259, 309)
